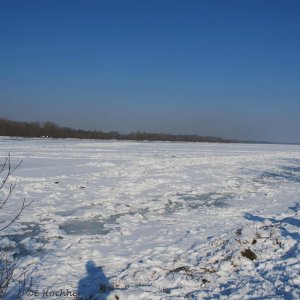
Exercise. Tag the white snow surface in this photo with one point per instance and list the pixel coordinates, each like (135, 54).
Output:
(151, 220)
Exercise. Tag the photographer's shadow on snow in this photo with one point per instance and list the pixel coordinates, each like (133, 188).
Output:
(95, 284)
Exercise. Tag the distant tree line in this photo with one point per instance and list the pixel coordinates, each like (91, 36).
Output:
(52, 130)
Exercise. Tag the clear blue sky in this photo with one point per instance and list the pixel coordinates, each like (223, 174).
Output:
(221, 68)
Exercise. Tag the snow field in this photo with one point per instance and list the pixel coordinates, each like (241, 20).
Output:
(162, 220)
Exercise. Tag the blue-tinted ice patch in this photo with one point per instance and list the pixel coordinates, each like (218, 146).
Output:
(31, 231)
(92, 226)
(208, 199)
(195, 201)
(86, 227)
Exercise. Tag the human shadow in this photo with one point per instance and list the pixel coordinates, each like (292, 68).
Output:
(94, 284)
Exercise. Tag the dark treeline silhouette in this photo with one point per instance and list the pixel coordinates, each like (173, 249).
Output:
(52, 130)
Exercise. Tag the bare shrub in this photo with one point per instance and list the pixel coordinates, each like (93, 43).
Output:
(7, 263)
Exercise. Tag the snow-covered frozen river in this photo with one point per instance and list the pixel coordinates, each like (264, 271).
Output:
(162, 220)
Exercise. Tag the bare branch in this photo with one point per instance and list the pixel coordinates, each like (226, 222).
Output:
(9, 171)
(11, 188)
(18, 214)
(4, 165)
